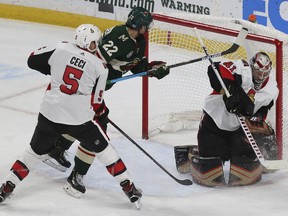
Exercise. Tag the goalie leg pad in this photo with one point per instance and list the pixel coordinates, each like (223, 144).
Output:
(244, 171)
(267, 145)
(207, 171)
(182, 159)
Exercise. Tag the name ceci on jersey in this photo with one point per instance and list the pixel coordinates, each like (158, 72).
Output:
(77, 62)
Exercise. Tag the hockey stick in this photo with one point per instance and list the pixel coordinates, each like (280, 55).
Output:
(182, 182)
(241, 36)
(268, 164)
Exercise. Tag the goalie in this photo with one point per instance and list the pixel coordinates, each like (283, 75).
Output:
(220, 136)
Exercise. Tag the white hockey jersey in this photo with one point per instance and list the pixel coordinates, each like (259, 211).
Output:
(215, 107)
(78, 79)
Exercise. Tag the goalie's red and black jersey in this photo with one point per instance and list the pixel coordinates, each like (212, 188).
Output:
(214, 104)
(121, 51)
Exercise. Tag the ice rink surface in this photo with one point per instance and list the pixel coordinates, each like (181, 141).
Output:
(41, 193)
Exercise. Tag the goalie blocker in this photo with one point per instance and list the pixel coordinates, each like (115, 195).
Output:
(243, 171)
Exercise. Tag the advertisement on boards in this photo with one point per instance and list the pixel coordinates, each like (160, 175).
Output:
(198, 6)
(271, 13)
(120, 8)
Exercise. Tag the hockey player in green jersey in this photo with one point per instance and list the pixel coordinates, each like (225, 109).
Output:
(122, 47)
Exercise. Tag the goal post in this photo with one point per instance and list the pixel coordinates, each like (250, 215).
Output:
(175, 102)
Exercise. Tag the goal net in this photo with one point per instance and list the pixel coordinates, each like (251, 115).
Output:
(175, 102)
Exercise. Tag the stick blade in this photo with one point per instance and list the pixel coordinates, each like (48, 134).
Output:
(241, 36)
(186, 182)
(239, 41)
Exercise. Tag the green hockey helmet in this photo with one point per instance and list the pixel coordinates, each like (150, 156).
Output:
(139, 17)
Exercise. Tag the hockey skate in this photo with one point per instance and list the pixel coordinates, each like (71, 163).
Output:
(74, 185)
(134, 194)
(6, 190)
(56, 159)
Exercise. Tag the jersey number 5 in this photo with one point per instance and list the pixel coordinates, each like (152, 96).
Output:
(70, 78)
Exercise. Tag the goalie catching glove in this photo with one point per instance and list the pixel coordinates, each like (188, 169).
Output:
(257, 123)
(159, 68)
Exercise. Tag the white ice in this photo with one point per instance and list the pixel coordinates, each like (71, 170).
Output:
(41, 193)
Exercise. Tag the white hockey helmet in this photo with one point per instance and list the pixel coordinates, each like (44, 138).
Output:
(261, 66)
(85, 34)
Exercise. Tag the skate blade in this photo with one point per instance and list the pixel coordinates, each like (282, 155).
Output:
(4, 200)
(54, 164)
(137, 204)
(71, 191)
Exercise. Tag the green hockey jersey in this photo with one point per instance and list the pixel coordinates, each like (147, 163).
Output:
(122, 52)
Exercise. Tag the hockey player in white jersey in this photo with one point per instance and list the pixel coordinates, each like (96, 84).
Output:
(76, 89)
(122, 48)
(220, 136)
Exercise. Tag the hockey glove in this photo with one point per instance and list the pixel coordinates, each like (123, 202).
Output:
(155, 65)
(248, 103)
(230, 80)
(160, 72)
(239, 102)
(160, 69)
(233, 103)
(101, 116)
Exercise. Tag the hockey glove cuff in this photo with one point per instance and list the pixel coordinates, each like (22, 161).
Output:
(155, 65)
(161, 72)
(101, 116)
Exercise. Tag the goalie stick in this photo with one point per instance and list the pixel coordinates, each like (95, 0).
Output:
(241, 36)
(182, 182)
(268, 164)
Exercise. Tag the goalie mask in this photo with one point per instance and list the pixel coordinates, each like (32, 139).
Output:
(139, 17)
(261, 66)
(85, 34)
